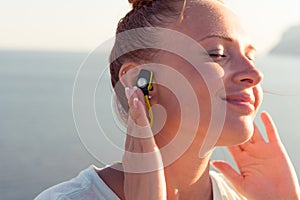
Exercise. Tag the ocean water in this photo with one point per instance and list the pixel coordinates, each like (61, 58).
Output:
(39, 145)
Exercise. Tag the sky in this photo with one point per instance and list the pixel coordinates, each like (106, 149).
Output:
(73, 25)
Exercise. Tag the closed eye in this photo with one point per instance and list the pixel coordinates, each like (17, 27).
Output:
(215, 55)
(251, 53)
(251, 57)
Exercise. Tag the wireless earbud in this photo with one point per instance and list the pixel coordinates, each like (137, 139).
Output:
(144, 82)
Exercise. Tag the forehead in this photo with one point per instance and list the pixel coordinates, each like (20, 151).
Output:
(204, 18)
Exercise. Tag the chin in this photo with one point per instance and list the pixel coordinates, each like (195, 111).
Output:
(236, 131)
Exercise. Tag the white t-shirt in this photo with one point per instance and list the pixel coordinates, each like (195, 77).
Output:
(89, 186)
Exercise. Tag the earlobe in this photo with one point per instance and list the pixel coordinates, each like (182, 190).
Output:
(127, 75)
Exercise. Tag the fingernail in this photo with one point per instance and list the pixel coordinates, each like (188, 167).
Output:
(135, 102)
(135, 88)
(127, 92)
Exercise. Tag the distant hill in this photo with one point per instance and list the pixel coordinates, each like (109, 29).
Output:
(289, 43)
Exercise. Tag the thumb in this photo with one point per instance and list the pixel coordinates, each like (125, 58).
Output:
(231, 174)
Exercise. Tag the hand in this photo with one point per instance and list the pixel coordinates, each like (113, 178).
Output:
(266, 171)
(142, 162)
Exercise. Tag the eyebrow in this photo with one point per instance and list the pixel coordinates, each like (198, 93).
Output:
(249, 47)
(224, 37)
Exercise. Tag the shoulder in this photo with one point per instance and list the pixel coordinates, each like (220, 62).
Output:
(222, 189)
(87, 185)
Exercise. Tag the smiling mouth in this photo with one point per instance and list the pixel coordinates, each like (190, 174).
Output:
(241, 103)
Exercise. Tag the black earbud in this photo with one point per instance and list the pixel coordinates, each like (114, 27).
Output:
(144, 81)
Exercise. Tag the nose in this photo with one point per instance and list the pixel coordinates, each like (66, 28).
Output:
(248, 74)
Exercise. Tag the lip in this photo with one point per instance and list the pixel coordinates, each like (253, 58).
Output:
(243, 103)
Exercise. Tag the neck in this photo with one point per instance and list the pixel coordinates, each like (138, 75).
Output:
(189, 179)
(188, 176)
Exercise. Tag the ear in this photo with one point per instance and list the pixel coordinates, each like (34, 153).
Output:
(128, 73)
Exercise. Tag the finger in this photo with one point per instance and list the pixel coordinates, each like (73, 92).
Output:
(257, 136)
(227, 170)
(137, 116)
(127, 92)
(270, 127)
(141, 136)
(140, 95)
(138, 122)
(134, 92)
(137, 108)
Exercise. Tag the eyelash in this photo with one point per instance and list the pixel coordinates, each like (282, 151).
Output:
(216, 55)
(252, 58)
(220, 56)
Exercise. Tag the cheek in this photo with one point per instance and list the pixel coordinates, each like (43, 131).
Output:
(207, 75)
(212, 71)
(208, 84)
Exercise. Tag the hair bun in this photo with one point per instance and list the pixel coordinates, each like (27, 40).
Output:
(136, 4)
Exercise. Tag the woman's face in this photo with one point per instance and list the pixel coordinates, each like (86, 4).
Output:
(230, 58)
